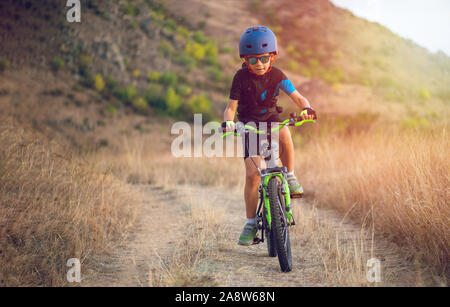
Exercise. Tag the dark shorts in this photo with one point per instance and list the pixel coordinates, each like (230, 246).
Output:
(251, 145)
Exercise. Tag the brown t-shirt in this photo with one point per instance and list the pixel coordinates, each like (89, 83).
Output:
(257, 95)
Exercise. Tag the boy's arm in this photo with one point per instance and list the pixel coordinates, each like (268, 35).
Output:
(302, 103)
(299, 100)
(230, 110)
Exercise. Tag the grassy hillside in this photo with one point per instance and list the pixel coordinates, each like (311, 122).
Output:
(100, 96)
(322, 41)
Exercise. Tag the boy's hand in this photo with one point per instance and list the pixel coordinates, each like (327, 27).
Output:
(228, 126)
(310, 113)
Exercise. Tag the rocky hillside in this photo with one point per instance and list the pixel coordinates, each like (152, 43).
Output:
(159, 58)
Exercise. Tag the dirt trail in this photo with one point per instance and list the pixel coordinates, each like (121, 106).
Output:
(166, 221)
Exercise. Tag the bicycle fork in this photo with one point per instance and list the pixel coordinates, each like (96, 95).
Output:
(260, 220)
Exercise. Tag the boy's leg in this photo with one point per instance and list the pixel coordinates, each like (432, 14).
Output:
(286, 149)
(287, 158)
(252, 180)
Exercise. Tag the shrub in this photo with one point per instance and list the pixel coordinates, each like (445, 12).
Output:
(140, 105)
(85, 60)
(215, 74)
(333, 76)
(196, 50)
(393, 94)
(184, 90)
(171, 24)
(154, 76)
(313, 63)
(211, 49)
(182, 31)
(4, 64)
(169, 78)
(111, 84)
(293, 65)
(365, 82)
(166, 48)
(132, 24)
(226, 50)
(212, 60)
(291, 49)
(199, 37)
(153, 95)
(200, 104)
(414, 123)
(172, 100)
(423, 93)
(308, 52)
(83, 69)
(185, 60)
(99, 84)
(306, 72)
(131, 93)
(111, 109)
(136, 73)
(201, 24)
(130, 10)
(57, 64)
(126, 95)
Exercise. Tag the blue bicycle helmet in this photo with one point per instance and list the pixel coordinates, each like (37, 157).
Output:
(257, 40)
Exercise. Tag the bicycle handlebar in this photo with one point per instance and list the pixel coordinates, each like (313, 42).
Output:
(288, 122)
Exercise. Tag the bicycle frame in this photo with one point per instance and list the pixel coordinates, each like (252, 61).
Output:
(271, 171)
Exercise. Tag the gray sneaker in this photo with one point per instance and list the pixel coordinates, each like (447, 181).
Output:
(294, 187)
(248, 234)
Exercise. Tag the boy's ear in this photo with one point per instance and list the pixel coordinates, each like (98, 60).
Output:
(272, 58)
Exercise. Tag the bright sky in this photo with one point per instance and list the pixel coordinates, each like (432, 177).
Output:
(426, 22)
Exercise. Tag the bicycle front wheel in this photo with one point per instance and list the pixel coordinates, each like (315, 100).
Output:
(271, 248)
(280, 225)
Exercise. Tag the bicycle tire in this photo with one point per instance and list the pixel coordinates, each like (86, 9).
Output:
(271, 249)
(280, 226)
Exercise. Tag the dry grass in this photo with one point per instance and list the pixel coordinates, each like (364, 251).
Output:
(140, 159)
(199, 245)
(343, 252)
(395, 182)
(398, 181)
(52, 208)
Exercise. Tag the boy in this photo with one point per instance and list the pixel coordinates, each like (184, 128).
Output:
(254, 93)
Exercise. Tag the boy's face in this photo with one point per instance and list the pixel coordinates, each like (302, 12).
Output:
(259, 67)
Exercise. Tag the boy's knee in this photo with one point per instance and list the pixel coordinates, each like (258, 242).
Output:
(252, 178)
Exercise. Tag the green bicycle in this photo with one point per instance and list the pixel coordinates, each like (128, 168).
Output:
(274, 213)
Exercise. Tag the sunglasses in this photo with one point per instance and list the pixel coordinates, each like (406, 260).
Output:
(253, 60)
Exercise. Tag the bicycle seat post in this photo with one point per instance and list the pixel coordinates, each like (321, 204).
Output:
(270, 158)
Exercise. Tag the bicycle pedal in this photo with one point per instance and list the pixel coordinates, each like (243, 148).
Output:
(256, 240)
(296, 195)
